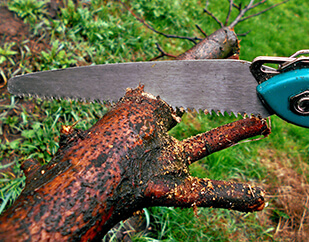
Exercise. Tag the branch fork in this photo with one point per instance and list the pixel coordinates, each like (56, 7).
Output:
(125, 162)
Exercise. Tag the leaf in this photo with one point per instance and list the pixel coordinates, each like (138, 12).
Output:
(28, 133)
(14, 144)
(2, 59)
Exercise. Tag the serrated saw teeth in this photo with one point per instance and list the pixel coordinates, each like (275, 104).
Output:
(207, 111)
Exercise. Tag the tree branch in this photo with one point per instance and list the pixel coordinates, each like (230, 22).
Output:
(125, 162)
(214, 17)
(263, 11)
(197, 192)
(163, 53)
(241, 16)
(223, 43)
(201, 30)
(242, 11)
(229, 12)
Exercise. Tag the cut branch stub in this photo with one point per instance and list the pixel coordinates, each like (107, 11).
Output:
(221, 44)
(125, 162)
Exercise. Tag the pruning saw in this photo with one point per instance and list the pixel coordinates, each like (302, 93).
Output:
(233, 86)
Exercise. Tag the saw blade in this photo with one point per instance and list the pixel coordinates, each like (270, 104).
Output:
(213, 85)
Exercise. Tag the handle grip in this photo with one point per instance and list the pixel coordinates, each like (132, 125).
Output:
(287, 95)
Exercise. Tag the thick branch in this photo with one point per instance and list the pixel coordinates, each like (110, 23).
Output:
(222, 137)
(125, 162)
(204, 192)
(221, 44)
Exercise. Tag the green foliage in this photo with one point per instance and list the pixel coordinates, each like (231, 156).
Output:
(30, 10)
(99, 33)
(40, 132)
(279, 32)
(6, 52)
(57, 57)
(10, 187)
(175, 224)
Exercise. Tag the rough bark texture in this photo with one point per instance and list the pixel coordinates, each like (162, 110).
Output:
(223, 43)
(125, 162)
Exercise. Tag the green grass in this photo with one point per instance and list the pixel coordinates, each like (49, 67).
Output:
(105, 32)
(175, 224)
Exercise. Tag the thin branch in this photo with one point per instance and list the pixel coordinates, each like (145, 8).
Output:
(244, 34)
(201, 30)
(241, 16)
(206, 4)
(259, 3)
(192, 39)
(263, 11)
(214, 17)
(229, 13)
(238, 7)
(163, 53)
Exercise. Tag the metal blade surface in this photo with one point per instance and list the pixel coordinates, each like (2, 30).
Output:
(219, 85)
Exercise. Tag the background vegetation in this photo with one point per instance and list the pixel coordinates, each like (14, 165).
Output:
(98, 32)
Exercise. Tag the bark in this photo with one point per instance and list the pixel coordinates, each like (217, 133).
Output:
(125, 162)
(223, 43)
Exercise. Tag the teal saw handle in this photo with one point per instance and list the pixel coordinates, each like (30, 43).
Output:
(287, 95)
